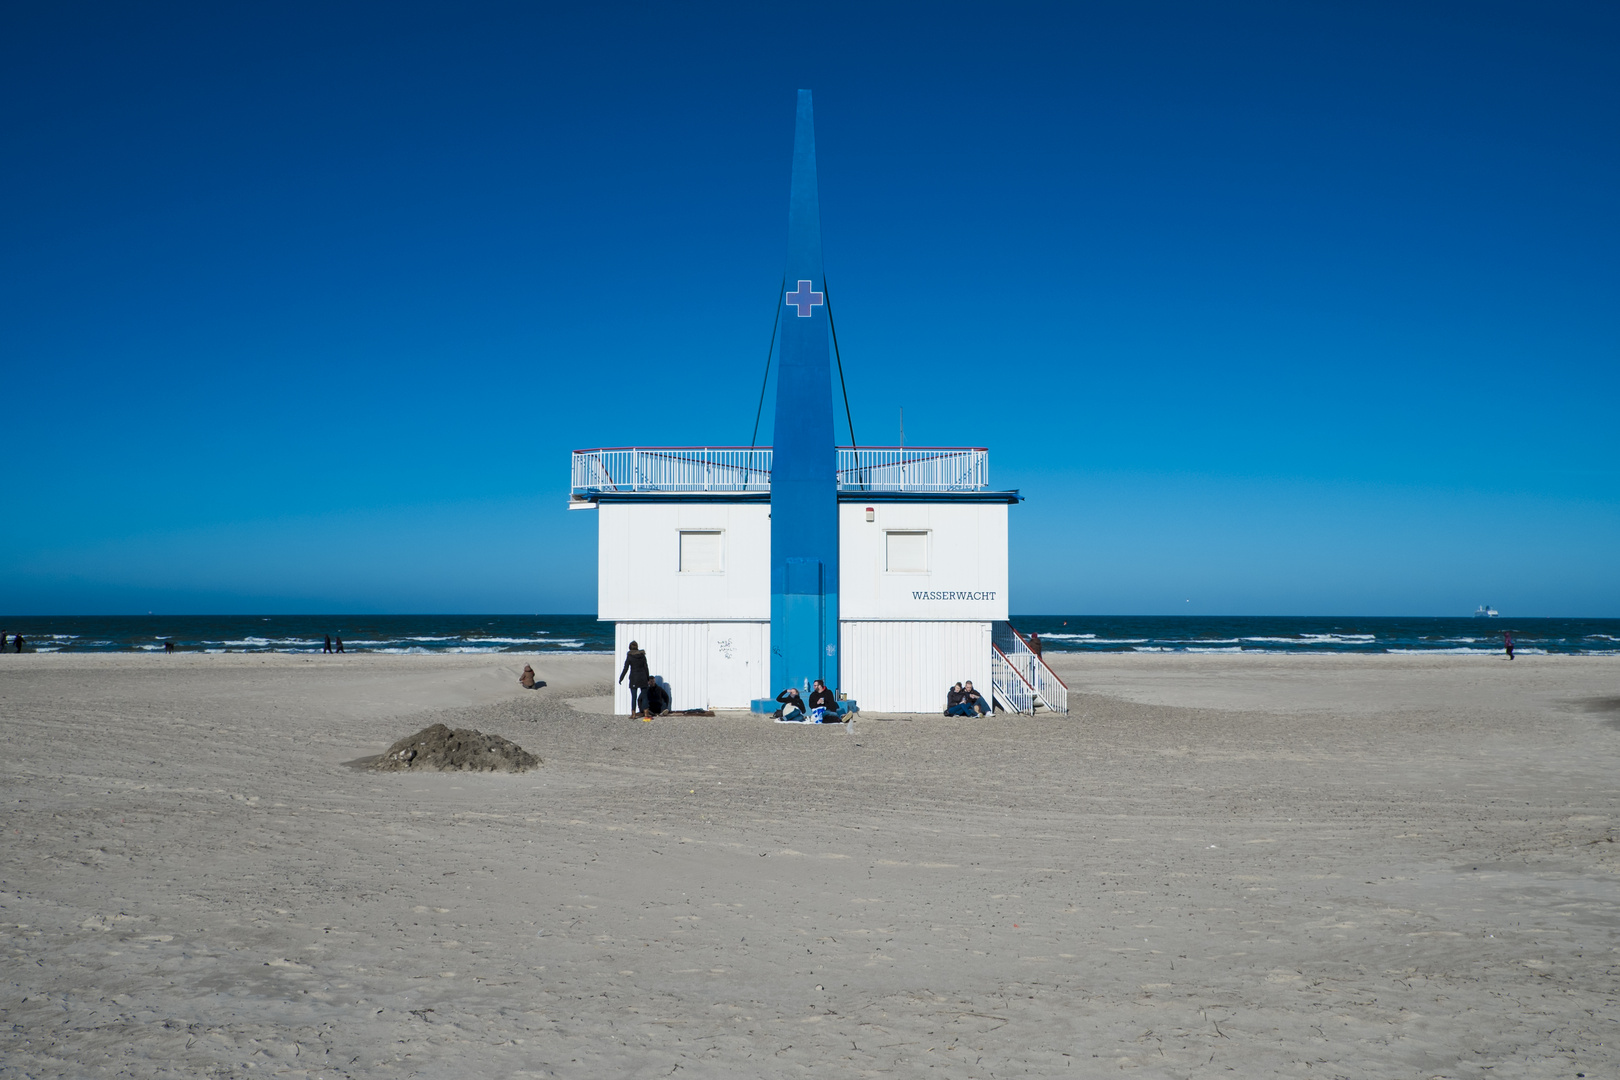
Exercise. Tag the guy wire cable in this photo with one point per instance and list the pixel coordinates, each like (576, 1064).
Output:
(781, 294)
(834, 328)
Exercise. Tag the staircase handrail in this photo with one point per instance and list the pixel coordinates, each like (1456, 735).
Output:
(1029, 695)
(1025, 642)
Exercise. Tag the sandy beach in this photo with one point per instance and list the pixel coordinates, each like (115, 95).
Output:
(1251, 865)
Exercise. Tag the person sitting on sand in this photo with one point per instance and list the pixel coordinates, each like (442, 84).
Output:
(824, 699)
(973, 699)
(654, 700)
(635, 663)
(954, 702)
(792, 704)
(527, 679)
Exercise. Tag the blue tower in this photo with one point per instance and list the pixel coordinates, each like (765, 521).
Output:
(804, 481)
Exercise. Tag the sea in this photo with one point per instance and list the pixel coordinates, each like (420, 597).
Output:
(427, 634)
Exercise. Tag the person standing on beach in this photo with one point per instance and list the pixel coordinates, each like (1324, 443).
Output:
(1507, 642)
(1035, 645)
(635, 663)
(339, 644)
(326, 646)
(18, 642)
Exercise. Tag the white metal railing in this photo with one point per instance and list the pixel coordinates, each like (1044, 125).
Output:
(742, 469)
(1049, 690)
(1052, 691)
(676, 468)
(1008, 686)
(914, 468)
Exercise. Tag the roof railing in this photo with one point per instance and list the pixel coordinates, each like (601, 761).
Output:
(748, 469)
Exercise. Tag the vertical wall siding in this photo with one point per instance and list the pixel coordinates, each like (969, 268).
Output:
(697, 662)
(909, 666)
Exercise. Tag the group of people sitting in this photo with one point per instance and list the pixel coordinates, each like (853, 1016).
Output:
(822, 708)
(963, 700)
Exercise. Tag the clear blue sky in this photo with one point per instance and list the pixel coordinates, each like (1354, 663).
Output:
(1267, 308)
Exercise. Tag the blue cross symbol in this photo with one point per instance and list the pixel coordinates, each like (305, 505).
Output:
(804, 299)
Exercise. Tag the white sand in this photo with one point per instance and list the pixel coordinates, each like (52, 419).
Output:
(1396, 866)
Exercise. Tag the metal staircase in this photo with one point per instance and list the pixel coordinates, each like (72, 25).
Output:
(1021, 681)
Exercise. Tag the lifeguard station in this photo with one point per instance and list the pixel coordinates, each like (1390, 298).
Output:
(744, 570)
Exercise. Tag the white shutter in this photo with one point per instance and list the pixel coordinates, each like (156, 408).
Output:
(907, 553)
(701, 552)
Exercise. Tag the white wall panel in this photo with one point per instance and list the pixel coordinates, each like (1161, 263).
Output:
(705, 665)
(638, 562)
(965, 555)
(909, 666)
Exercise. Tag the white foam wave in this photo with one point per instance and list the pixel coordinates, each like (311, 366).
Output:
(1054, 636)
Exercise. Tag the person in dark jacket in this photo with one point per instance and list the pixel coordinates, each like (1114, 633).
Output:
(823, 698)
(792, 704)
(654, 700)
(635, 664)
(1035, 645)
(974, 699)
(18, 641)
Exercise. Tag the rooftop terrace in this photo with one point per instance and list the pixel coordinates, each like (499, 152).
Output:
(610, 471)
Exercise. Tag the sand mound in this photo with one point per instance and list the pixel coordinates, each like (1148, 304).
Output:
(438, 748)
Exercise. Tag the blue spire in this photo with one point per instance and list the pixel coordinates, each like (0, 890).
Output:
(804, 483)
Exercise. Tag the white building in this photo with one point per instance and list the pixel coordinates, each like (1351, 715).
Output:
(684, 562)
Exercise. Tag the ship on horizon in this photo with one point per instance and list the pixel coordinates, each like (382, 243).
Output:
(1485, 611)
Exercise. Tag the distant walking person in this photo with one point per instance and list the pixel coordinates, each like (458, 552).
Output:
(635, 664)
(168, 646)
(339, 644)
(1507, 642)
(1035, 645)
(18, 642)
(326, 647)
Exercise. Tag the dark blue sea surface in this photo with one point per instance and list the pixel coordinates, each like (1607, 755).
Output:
(306, 633)
(1318, 634)
(584, 634)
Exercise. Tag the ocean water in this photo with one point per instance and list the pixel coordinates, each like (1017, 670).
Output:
(583, 634)
(306, 633)
(1316, 634)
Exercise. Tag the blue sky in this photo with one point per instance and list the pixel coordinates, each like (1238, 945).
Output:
(1266, 308)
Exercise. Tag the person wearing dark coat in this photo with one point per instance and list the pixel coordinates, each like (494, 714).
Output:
(974, 700)
(635, 665)
(654, 701)
(792, 704)
(1035, 645)
(823, 698)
